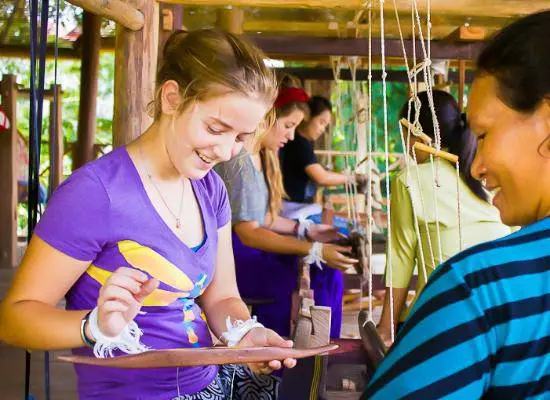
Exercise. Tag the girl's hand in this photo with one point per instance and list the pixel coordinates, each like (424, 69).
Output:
(335, 257)
(263, 337)
(324, 233)
(120, 299)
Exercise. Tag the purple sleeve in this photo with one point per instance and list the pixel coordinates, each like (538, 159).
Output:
(76, 221)
(221, 201)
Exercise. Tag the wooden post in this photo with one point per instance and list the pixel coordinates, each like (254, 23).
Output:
(89, 72)
(119, 11)
(171, 19)
(231, 20)
(135, 68)
(8, 178)
(461, 83)
(56, 140)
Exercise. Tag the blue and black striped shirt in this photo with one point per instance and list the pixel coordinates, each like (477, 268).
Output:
(480, 329)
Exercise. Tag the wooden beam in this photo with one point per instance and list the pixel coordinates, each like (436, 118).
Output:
(23, 93)
(8, 177)
(495, 8)
(314, 46)
(467, 34)
(461, 84)
(135, 68)
(230, 19)
(23, 51)
(89, 74)
(116, 10)
(325, 74)
(56, 139)
(333, 29)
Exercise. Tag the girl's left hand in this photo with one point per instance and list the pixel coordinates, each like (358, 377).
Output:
(262, 337)
(324, 233)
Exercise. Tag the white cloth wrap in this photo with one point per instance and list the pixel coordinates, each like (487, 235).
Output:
(304, 225)
(236, 331)
(315, 255)
(126, 341)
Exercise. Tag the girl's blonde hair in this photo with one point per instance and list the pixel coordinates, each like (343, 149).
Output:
(209, 63)
(270, 159)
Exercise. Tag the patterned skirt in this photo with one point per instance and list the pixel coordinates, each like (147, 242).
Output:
(237, 382)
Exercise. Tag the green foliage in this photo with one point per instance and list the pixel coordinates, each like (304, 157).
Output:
(344, 136)
(68, 76)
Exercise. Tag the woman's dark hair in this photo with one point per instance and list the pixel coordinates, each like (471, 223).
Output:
(318, 104)
(519, 58)
(454, 131)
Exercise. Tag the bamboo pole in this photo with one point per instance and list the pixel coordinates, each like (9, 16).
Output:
(116, 10)
(441, 154)
(461, 84)
(8, 177)
(415, 131)
(56, 140)
(89, 75)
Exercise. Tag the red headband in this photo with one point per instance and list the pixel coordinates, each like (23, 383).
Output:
(289, 95)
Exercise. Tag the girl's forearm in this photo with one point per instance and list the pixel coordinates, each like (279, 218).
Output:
(35, 325)
(217, 314)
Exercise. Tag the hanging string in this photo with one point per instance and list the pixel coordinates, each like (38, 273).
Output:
(460, 241)
(38, 42)
(386, 151)
(414, 204)
(369, 170)
(436, 210)
(423, 208)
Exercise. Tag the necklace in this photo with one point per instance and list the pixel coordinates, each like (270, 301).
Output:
(150, 177)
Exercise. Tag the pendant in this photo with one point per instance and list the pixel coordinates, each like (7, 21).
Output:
(178, 223)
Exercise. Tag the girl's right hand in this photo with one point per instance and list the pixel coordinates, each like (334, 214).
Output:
(120, 299)
(335, 257)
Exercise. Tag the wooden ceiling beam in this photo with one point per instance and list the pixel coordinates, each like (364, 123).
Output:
(313, 46)
(119, 11)
(455, 7)
(467, 34)
(333, 29)
(325, 74)
(23, 51)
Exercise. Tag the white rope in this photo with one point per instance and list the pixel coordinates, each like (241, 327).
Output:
(369, 170)
(386, 150)
(436, 210)
(410, 187)
(422, 206)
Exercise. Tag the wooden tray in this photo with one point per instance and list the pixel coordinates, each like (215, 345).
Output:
(201, 356)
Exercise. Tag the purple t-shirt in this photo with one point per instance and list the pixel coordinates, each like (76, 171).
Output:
(103, 214)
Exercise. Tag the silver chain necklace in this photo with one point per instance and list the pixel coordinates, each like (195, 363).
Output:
(176, 217)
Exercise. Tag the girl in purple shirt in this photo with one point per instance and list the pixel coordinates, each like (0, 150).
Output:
(142, 237)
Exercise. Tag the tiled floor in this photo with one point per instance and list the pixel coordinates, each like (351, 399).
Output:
(12, 368)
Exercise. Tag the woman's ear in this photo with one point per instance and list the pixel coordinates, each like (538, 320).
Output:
(170, 97)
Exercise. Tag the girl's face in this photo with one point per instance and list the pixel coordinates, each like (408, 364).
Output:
(209, 132)
(513, 153)
(283, 130)
(317, 125)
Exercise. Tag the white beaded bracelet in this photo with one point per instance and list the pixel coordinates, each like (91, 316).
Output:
(304, 225)
(126, 341)
(315, 255)
(236, 331)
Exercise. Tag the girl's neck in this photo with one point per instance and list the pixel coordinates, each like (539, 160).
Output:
(151, 150)
(304, 135)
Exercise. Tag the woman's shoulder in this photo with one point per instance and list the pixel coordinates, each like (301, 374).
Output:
(236, 168)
